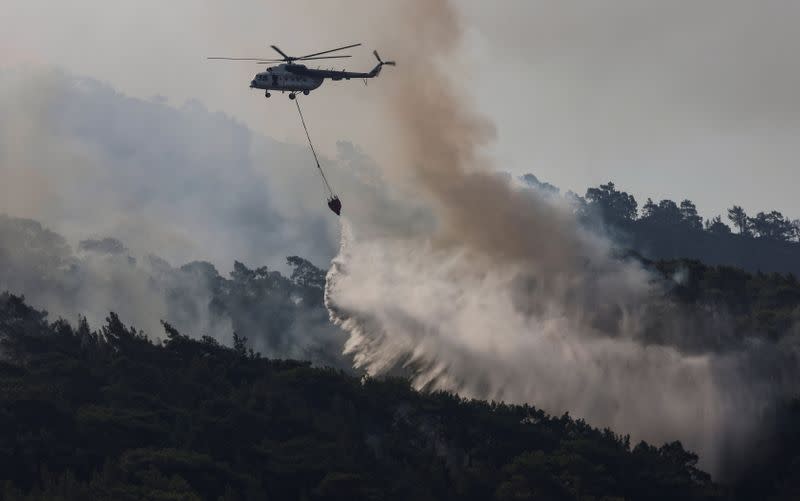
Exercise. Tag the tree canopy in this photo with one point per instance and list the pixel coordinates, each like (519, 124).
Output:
(612, 204)
(769, 241)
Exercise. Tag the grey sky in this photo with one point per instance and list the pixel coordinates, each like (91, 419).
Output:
(668, 99)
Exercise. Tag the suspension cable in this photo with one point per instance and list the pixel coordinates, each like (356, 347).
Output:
(313, 151)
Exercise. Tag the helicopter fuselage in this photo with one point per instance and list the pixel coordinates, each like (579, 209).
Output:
(281, 79)
(299, 78)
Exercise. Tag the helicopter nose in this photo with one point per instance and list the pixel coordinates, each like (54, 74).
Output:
(252, 83)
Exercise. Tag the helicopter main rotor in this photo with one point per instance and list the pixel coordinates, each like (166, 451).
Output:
(291, 59)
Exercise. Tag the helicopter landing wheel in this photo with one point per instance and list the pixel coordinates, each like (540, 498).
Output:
(306, 92)
(292, 95)
(267, 94)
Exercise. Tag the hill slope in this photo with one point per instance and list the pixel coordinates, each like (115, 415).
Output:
(112, 415)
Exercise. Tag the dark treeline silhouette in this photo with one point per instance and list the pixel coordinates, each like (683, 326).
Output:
(767, 241)
(110, 414)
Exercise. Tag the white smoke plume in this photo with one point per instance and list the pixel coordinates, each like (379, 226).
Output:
(509, 299)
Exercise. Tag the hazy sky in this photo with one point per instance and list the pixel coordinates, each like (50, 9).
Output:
(668, 99)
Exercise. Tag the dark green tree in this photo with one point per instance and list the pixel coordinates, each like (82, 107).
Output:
(306, 274)
(717, 227)
(739, 218)
(579, 205)
(649, 209)
(666, 213)
(613, 205)
(772, 226)
(689, 215)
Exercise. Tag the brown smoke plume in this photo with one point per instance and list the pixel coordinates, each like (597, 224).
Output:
(438, 136)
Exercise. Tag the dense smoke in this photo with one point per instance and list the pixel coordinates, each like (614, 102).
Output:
(509, 298)
(183, 182)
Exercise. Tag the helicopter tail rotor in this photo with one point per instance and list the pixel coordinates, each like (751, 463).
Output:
(381, 61)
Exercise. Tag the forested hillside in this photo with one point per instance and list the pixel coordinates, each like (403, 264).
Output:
(110, 414)
(116, 413)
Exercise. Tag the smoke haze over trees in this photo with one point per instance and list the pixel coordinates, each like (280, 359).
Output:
(284, 317)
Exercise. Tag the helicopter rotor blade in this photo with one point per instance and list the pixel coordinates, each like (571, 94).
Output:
(323, 57)
(276, 49)
(288, 58)
(276, 61)
(241, 58)
(331, 50)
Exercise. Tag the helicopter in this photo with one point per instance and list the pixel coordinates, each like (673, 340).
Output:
(289, 76)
